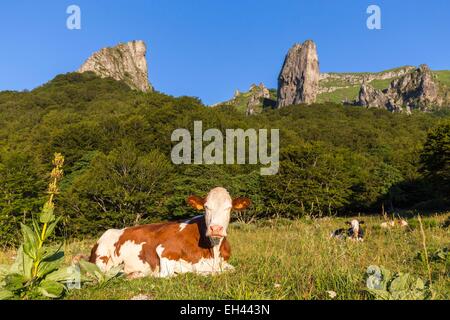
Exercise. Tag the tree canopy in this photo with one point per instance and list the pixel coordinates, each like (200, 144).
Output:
(118, 172)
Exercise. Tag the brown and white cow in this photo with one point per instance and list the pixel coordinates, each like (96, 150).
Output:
(197, 245)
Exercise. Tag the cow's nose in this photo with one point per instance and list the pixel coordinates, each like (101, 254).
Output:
(216, 231)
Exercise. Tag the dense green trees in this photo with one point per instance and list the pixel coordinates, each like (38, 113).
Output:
(116, 142)
(121, 188)
(435, 159)
(21, 190)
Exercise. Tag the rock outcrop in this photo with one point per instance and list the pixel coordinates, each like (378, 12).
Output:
(298, 81)
(417, 88)
(371, 97)
(414, 90)
(257, 96)
(124, 62)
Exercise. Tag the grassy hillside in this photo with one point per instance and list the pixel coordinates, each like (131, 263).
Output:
(349, 93)
(281, 259)
(240, 102)
(443, 76)
(346, 85)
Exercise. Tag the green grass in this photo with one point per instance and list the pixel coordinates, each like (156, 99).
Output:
(283, 259)
(443, 77)
(339, 95)
(381, 84)
(332, 82)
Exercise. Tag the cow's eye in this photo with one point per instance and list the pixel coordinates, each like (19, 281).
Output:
(206, 207)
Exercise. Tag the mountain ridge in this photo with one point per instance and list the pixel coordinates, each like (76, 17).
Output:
(344, 87)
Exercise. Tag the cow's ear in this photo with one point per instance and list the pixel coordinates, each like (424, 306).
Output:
(196, 202)
(348, 222)
(361, 222)
(241, 203)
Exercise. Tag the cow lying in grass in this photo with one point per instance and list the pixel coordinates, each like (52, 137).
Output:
(355, 232)
(197, 245)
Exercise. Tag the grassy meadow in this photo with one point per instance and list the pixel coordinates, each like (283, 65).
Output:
(292, 259)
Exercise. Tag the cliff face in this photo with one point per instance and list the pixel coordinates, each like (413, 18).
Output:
(298, 81)
(256, 99)
(371, 97)
(417, 89)
(125, 62)
(414, 90)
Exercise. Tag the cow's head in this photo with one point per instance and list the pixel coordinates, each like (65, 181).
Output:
(355, 224)
(217, 206)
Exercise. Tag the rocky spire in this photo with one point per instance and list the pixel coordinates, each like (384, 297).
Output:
(125, 62)
(298, 81)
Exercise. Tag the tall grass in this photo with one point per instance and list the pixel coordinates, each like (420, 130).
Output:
(283, 259)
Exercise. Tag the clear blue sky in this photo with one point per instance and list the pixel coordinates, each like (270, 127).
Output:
(209, 48)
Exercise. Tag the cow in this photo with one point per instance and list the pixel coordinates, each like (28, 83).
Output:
(197, 245)
(355, 232)
(398, 223)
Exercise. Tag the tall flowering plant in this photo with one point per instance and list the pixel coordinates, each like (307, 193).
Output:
(37, 268)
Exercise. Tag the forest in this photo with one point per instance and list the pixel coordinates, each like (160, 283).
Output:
(334, 160)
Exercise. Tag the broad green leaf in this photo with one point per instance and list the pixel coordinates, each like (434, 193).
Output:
(114, 272)
(419, 284)
(380, 294)
(52, 253)
(30, 242)
(99, 276)
(398, 286)
(51, 228)
(22, 265)
(14, 281)
(89, 267)
(51, 289)
(50, 264)
(400, 283)
(67, 274)
(27, 266)
(46, 267)
(36, 228)
(47, 214)
(17, 266)
(6, 294)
